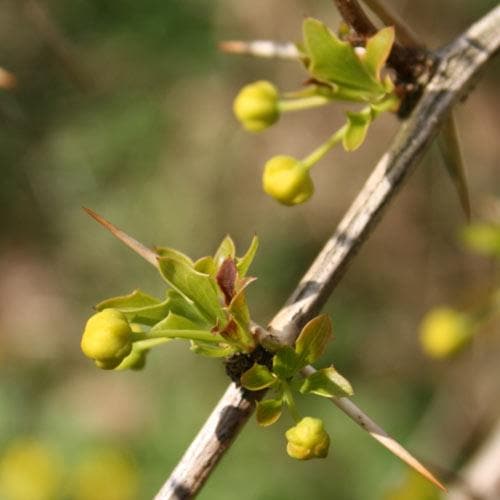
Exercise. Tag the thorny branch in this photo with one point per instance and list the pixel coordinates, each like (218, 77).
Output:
(459, 63)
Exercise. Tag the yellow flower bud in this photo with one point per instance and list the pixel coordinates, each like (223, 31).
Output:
(444, 331)
(308, 439)
(256, 106)
(287, 180)
(107, 338)
(30, 470)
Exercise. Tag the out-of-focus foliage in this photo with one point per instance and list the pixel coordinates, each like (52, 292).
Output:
(137, 124)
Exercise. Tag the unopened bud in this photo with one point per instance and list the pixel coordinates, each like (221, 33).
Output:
(308, 439)
(107, 338)
(287, 180)
(256, 106)
(445, 331)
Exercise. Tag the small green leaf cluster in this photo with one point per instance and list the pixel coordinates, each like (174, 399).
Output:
(307, 439)
(205, 305)
(338, 71)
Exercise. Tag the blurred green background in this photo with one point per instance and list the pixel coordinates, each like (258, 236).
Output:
(125, 107)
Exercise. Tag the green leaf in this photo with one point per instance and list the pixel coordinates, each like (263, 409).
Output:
(285, 362)
(243, 263)
(211, 350)
(174, 326)
(226, 249)
(268, 411)
(328, 383)
(238, 309)
(240, 315)
(483, 239)
(238, 335)
(378, 48)
(449, 147)
(181, 306)
(175, 322)
(174, 254)
(357, 127)
(138, 307)
(197, 287)
(258, 377)
(333, 60)
(206, 265)
(182, 334)
(312, 340)
(135, 300)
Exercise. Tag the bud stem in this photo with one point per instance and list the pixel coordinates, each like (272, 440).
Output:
(290, 402)
(321, 151)
(201, 335)
(314, 101)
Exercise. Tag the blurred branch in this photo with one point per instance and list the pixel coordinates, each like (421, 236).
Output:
(261, 48)
(41, 20)
(7, 79)
(480, 478)
(403, 32)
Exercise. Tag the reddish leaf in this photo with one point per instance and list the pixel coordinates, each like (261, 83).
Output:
(226, 277)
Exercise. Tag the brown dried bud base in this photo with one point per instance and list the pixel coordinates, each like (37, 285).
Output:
(239, 363)
(410, 86)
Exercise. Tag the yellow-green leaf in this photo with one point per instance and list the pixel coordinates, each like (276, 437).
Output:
(328, 383)
(357, 127)
(138, 307)
(211, 350)
(285, 362)
(174, 254)
(333, 60)
(226, 249)
(258, 377)
(378, 48)
(313, 338)
(195, 286)
(268, 411)
(243, 263)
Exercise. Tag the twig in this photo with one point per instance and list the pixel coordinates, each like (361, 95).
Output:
(377, 433)
(408, 62)
(142, 250)
(403, 32)
(261, 48)
(7, 80)
(44, 24)
(480, 478)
